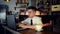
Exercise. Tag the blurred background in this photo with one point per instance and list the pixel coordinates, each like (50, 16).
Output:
(49, 10)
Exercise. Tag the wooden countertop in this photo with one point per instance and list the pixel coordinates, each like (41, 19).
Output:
(30, 31)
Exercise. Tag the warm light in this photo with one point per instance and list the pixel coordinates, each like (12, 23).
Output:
(7, 0)
(26, 13)
(37, 13)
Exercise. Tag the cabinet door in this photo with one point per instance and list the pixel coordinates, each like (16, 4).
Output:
(55, 8)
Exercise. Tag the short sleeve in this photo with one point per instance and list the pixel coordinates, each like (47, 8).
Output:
(39, 27)
(39, 21)
(39, 24)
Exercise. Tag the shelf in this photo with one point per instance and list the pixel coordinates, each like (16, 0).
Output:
(20, 7)
(21, 3)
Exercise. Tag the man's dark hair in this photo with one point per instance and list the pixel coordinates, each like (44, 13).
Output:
(32, 7)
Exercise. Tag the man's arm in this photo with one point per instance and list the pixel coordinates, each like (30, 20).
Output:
(36, 27)
(48, 24)
(27, 26)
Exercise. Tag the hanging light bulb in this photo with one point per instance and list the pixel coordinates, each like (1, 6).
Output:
(7, 0)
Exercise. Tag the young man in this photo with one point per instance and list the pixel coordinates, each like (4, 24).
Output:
(32, 22)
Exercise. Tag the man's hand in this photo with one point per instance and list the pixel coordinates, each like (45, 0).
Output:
(47, 24)
(26, 26)
(22, 25)
(18, 24)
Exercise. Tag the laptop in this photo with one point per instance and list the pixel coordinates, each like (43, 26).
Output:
(11, 23)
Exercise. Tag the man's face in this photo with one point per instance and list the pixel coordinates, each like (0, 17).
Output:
(31, 13)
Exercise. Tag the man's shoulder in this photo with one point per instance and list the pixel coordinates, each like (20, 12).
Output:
(27, 18)
(37, 17)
